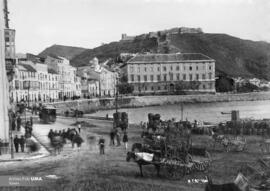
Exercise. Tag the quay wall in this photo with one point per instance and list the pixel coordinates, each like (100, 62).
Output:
(92, 105)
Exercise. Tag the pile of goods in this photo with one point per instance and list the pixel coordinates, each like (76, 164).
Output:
(171, 142)
(246, 127)
(120, 119)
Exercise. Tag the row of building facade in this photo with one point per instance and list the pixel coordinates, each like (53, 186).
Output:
(53, 78)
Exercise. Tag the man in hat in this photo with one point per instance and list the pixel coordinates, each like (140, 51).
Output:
(16, 143)
(101, 143)
(22, 143)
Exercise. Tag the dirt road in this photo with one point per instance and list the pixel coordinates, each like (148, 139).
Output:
(87, 170)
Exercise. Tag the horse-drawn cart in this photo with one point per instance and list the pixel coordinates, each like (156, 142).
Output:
(47, 114)
(170, 148)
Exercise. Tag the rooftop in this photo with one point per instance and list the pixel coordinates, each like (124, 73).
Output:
(52, 71)
(177, 57)
(28, 67)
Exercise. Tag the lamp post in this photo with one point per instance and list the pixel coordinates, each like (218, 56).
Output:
(28, 100)
(116, 96)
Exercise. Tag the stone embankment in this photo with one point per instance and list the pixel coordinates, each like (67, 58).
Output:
(92, 105)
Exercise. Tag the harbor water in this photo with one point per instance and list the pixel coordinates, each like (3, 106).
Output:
(209, 112)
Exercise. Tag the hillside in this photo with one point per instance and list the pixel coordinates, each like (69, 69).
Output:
(113, 49)
(234, 56)
(65, 51)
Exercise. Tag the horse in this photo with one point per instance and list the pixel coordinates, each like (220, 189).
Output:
(141, 162)
(57, 142)
(220, 187)
(78, 140)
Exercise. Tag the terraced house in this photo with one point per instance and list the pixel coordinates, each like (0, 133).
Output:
(171, 73)
(34, 82)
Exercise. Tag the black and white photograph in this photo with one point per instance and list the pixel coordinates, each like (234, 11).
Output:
(135, 95)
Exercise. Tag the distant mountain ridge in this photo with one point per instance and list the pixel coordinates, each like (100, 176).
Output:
(68, 52)
(234, 56)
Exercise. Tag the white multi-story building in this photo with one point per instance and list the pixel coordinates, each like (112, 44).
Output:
(101, 81)
(34, 82)
(69, 84)
(156, 73)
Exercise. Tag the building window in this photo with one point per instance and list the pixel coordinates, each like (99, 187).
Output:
(158, 78)
(158, 68)
(152, 78)
(131, 69)
(165, 77)
(164, 68)
(158, 87)
(152, 88)
(184, 67)
(184, 77)
(145, 78)
(190, 77)
(203, 76)
(210, 67)
(145, 87)
(190, 68)
(138, 69)
(203, 86)
(145, 69)
(197, 76)
(171, 77)
(165, 87)
(139, 78)
(132, 77)
(177, 68)
(171, 68)
(210, 75)
(178, 76)
(197, 67)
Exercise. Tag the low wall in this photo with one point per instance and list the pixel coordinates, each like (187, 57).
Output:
(92, 105)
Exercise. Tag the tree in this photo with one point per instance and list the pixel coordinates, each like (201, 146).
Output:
(125, 88)
(247, 87)
(124, 79)
(224, 84)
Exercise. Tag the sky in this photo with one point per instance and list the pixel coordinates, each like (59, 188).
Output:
(89, 23)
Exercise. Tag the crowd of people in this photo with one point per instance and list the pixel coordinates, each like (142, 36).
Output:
(115, 140)
(71, 134)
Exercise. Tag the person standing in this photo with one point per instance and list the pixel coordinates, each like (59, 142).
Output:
(101, 143)
(13, 124)
(19, 121)
(118, 138)
(16, 143)
(79, 127)
(31, 121)
(112, 136)
(125, 140)
(22, 143)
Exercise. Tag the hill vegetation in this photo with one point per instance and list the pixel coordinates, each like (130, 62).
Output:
(64, 51)
(234, 56)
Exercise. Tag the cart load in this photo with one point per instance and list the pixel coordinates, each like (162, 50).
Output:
(169, 145)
